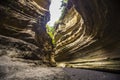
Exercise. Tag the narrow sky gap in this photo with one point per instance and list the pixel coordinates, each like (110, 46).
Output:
(55, 11)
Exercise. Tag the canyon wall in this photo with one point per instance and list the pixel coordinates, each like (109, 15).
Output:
(88, 35)
(22, 28)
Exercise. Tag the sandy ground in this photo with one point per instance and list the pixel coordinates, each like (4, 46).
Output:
(17, 70)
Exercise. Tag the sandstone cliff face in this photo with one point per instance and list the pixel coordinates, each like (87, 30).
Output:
(22, 25)
(88, 35)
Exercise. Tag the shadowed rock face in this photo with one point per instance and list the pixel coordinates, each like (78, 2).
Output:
(88, 35)
(25, 20)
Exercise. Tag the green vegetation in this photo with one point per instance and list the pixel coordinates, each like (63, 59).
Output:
(65, 1)
(50, 31)
(64, 9)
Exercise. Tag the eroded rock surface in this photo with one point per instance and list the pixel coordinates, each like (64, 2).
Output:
(22, 25)
(88, 35)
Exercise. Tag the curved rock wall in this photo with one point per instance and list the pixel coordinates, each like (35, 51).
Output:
(25, 20)
(88, 35)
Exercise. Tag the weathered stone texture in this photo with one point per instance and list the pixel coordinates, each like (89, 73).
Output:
(25, 20)
(88, 36)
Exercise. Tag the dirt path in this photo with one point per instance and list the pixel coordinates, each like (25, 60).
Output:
(16, 70)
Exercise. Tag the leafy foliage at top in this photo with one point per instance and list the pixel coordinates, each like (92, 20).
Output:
(50, 31)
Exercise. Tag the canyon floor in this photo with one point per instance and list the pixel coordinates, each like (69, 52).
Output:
(16, 69)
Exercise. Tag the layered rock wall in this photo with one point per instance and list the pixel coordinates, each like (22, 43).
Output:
(88, 35)
(25, 20)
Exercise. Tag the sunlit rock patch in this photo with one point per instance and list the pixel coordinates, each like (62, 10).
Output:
(88, 35)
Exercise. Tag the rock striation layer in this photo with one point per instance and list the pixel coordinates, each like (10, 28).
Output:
(88, 35)
(22, 24)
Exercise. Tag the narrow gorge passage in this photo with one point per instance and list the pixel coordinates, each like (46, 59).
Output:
(83, 43)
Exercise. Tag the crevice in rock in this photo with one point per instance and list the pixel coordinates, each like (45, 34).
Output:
(86, 35)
